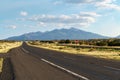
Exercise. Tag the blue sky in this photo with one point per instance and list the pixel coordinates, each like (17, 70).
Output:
(22, 16)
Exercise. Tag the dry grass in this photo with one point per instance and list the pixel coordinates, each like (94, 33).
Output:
(107, 54)
(6, 46)
(1, 61)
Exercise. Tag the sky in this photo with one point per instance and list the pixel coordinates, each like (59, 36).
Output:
(23, 16)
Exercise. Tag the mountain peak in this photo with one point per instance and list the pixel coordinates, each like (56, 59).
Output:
(74, 28)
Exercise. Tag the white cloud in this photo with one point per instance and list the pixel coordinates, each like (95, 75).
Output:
(93, 14)
(41, 24)
(57, 2)
(23, 13)
(13, 26)
(87, 1)
(79, 20)
(78, 1)
(108, 4)
(104, 4)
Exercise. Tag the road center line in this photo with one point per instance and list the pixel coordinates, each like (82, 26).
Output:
(66, 70)
(112, 68)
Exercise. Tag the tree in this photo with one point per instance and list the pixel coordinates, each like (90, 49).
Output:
(102, 43)
(67, 41)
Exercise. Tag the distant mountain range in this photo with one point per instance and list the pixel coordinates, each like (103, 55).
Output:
(58, 34)
(118, 36)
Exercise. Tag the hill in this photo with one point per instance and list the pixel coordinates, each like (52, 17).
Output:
(58, 34)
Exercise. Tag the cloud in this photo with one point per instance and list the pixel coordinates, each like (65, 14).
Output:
(79, 20)
(104, 4)
(57, 2)
(23, 13)
(107, 4)
(89, 14)
(41, 24)
(13, 26)
(78, 1)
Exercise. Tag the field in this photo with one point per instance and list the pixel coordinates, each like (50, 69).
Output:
(5, 46)
(99, 53)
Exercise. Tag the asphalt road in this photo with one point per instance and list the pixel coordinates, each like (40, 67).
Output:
(28, 67)
(31, 63)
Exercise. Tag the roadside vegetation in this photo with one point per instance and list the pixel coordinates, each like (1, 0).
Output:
(5, 46)
(100, 48)
(1, 61)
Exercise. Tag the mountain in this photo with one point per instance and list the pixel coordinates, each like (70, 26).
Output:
(118, 36)
(58, 34)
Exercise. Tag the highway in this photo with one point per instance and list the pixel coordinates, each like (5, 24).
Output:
(31, 63)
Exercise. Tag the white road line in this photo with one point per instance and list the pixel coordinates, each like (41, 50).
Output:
(66, 70)
(112, 68)
(25, 50)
